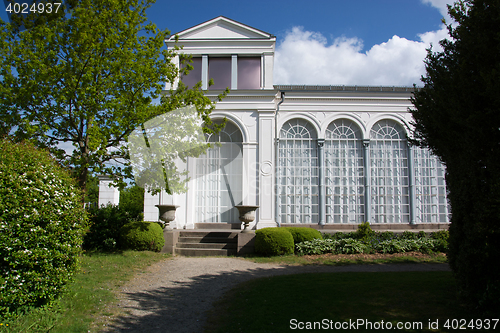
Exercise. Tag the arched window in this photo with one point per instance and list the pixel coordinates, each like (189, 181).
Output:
(344, 173)
(298, 173)
(431, 204)
(219, 177)
(389, 173)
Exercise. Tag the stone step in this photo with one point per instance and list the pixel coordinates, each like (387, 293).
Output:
(209, 234)
(205, 252)
(222, 226)
(183, 245)
(207, 240)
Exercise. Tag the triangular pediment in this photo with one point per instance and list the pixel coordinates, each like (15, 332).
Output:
(222, 28)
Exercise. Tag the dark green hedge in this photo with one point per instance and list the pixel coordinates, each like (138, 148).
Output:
(273, 241)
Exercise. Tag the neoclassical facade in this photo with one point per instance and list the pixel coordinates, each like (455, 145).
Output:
(306, 155)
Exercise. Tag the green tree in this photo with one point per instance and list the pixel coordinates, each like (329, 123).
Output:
(457, 115)
(132, 200)
(87, 79)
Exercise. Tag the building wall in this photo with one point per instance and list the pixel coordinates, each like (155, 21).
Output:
(303, 179)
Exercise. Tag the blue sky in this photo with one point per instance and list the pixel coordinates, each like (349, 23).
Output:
(357, 42)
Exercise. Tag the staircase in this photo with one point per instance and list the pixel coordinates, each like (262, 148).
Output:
(207, 243)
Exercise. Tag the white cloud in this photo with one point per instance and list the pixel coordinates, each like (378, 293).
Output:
(442, 5)
(305, 57)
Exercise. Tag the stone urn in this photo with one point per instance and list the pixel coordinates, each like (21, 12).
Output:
(167, 214)
(247, 215)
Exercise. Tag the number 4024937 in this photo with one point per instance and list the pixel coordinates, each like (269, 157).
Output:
(40, 8)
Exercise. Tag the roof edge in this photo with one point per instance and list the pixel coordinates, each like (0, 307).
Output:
(344, 88)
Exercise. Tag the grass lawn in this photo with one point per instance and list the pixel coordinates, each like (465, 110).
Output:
(279, 304)
(86, 298)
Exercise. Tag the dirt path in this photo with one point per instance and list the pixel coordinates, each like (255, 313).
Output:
(175, 294)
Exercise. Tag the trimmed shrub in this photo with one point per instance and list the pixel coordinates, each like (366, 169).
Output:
(273, 241)
(302, 234)
(105, 225)
(42, 223)
(142, 236)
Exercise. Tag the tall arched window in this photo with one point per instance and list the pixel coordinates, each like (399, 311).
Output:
(431, 204)
(219, 177)
(389, 173)
(298, 173)
(344, 173)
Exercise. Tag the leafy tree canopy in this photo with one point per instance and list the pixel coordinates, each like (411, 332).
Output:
(86, 80)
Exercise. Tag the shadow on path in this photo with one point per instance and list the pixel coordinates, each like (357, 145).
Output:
(180, 305)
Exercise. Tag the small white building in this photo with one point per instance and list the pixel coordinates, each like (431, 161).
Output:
(307, 155)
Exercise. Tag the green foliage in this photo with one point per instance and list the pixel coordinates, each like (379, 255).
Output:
(132, 201)
(92, 193)
(105, 225)
(42, 223)
(364, 230)
(441, 239)
(273, 241)
(301, 234)
(88, 78)
(340, 235)
(383, 242)
(457, 116)
(385, 235)
(338, 246)
(441, 234)
(408, 235)
(142, 236)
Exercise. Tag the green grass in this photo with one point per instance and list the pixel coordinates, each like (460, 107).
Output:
(86, 298)
(269, 304)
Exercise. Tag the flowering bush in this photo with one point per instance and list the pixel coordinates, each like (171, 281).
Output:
(42, 223)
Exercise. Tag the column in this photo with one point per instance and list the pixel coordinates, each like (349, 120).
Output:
(321, 177)
(204, 72)
(234, 72)
(367, 178)
(266, 168)
(411, 185)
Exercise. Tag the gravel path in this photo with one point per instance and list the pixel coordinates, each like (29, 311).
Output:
(174, 295)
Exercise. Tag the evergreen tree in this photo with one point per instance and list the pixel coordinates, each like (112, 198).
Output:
(457, 116)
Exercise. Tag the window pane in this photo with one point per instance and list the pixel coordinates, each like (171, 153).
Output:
(249, 73)
(219, 69)
(194, 76)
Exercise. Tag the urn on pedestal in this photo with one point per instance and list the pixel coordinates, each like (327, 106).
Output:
(167, 214)
(247, 215)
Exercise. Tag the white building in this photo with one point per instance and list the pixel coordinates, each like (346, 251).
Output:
(308, 155)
